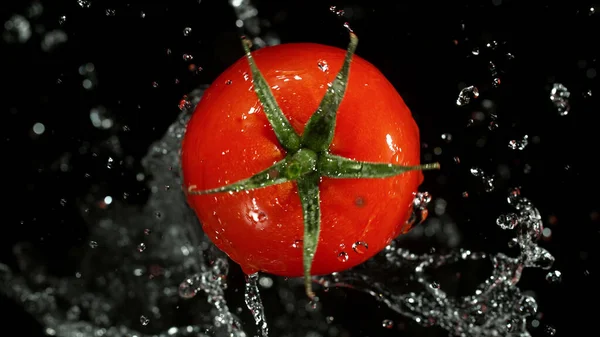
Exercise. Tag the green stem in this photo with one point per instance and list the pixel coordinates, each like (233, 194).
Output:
(319, 130)
(287, 137)
(333, 166)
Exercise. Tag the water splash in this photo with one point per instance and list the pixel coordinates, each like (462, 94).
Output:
(117, 284)
(496, 308)
(254, 303)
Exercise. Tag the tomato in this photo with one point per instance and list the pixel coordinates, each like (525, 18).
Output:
(230, 138)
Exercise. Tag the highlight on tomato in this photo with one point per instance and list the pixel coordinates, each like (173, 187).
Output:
(298, 170)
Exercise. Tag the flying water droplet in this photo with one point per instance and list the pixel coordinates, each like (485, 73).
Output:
(84, 3)
(466, 94)
(342, 257)
(559, 95)
(187, 57)
(141, 247)
(297, 244)
(93, 244)
(519, 144)
(144, 320)
(554, 276)
(187, 31)
(387, 323)
(508, 221)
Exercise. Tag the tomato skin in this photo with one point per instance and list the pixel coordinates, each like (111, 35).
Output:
(229, 138)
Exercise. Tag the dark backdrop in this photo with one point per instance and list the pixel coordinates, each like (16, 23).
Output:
(424, 48)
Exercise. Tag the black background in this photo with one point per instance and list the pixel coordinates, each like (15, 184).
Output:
(425, 50)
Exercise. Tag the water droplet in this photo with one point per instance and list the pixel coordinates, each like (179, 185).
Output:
(329, 319)
(447, 137)
(62, 20)
(93, 244)
(144, 320)
(342, 257)
(110, 12)
(155, 84)
(187, 31)
(141, 247)
(101, 118)
(188, 288)
(84, 3)
(360, 247)
(142, 15)
(387, 323)
(476, 171)
(158, 214)
(297, 244)
(466, 94)
(508, 221)
(519, 144)
(559, 95)
(228, 82)
(496, 82)
(528, 306)
(147, 231)
(187, 57)
(322, 64)
(435, 285)
(550, 330)
(347, 26)
(554, 276)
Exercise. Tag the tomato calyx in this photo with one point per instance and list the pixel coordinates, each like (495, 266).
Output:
(308, 157)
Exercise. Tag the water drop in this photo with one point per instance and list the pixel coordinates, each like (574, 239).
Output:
(435, 285)
(559, 95)
(155, 84)
(342, 257)
(550, 330)
(387, 323)
(508, 221)
(347, 26)
(475, 51)
(554, 276)
(466, 94)
(228, 82)
(141, 247)
(322, 64)
(187, 57)
(187, 31)
(109, 163)
(447, 137)
(496, 82)
(476, 171)
(110, 12)
(329, 319)
(297, 244)
(93, 244)
(528, 306)
(147, 231)
(62, 20)
(519, 144)
(360, 247)
(84, 3)
(187, 288)
(144, 320)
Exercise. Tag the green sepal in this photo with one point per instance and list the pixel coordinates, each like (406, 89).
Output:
(333, 166)
(276, 174)
(308, 190)
(286, 135)
(319, 130)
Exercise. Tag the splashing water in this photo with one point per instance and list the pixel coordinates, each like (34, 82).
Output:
(115, 267)
(136, 279)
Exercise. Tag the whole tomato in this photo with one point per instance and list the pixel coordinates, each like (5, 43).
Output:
(294, 168)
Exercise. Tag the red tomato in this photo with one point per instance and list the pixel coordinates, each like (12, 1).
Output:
(229, 138)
